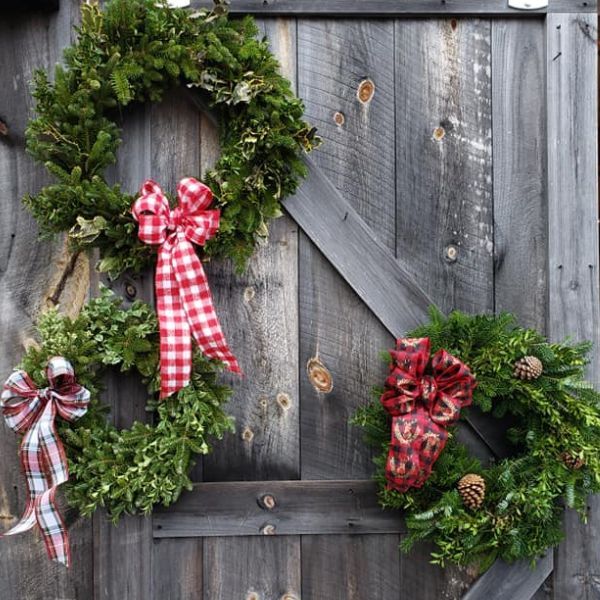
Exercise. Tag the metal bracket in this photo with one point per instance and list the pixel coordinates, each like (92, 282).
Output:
(528, 4)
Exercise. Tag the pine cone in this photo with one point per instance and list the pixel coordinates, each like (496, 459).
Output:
(528, 368)
(571, 461)
(472, 490)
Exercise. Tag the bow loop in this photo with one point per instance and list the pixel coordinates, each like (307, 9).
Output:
(151, 210)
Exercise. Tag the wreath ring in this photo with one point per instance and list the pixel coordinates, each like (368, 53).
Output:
(512, 507)
(134, 51)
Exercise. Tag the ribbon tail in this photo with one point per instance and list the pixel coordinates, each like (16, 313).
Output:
(52, 527)
(197, 303)
(175, 340)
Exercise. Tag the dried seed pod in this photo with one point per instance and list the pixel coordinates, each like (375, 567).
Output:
(472, 490)
(528, 368)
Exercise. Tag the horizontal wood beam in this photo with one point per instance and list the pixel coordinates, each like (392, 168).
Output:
(277, 508)
(395, 8)
(22, 5)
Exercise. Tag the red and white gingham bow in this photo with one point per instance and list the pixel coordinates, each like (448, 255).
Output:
(32, 411)
(183, 299)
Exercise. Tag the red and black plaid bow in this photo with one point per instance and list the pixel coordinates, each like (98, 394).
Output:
(423, 397)
(32, 411)
(183, 299)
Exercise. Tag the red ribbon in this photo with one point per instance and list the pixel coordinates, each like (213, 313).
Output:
(424, 397)
(30, 411)
(183, 300)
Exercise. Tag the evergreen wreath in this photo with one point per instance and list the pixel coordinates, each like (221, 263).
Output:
(510, 509)
(134, 51)
(127, 471)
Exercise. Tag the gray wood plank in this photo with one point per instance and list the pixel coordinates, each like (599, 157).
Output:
(391, 8)
(177, 573)
(573, 247)
(335, 59)
(511, 582)
(257, 508)
(444, 151)
(259, 312)
(123, 552)
(519, 149)
(27, 270)
(351, 567)
(345, 77)
(265, 568)
(444, 207)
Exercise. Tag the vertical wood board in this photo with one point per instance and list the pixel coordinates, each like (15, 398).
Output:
(573, 247)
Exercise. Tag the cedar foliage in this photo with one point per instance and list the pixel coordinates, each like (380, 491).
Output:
(128, 471)
(525, 494)
(133, 51)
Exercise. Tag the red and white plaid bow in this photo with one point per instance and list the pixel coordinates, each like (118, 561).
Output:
(32, 411)
(183, 299)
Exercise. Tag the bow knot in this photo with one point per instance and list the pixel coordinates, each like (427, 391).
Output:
(32, 412)
(183, 299)
(423, 397)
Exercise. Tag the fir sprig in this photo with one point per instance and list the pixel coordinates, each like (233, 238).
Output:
(525, 494)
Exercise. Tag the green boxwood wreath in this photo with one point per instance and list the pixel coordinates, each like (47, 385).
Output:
(127, 471)
(555, 416)
(134, 51)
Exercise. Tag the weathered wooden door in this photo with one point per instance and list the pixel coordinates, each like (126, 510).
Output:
(459, 168)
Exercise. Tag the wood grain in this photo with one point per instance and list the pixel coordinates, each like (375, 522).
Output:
(177, 572)
(345, 77)
(28, 41)
(277, 508)
(259, 312)
(519, 150)
(573, 247)
(511, 582)
(123, 552)
(265, 568)
(444, 187)
(393, 8)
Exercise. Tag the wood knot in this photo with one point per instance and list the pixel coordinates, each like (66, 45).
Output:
(438, 134)
(283, 400)
(267, 502)
(289, 596)
(366, 89)
(249, 294)
(267, 529)
(451, 253)
(130, 291)
(3, 128)
(319, 375)
(339, 118)
(247, 434)
(252, 596)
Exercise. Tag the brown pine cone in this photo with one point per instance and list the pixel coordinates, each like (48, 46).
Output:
(472, 490)
(528, 368)
(571, 461)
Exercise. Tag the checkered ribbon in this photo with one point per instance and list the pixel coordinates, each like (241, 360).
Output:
(423, 397)
(31, 411)
(183, 299)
